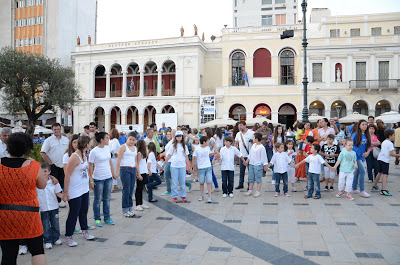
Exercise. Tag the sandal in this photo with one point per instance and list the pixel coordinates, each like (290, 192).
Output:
(153, 200)
(307, 197)
(316, 197)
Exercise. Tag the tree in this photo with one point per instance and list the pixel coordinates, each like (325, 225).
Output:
(34, 84)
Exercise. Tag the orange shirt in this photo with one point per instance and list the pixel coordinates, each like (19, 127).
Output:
(315, 133)
(18, 187)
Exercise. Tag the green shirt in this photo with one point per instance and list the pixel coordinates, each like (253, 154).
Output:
(347, 160)
(155, 137)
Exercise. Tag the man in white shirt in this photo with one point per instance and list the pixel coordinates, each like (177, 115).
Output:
(243, 142)
(53, 150)
(149, 137)
(5, 132)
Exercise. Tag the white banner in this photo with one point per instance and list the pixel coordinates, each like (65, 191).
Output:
(207, 109)
(170, 119)
(129, 127)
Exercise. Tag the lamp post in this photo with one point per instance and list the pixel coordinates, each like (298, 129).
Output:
(305, 80)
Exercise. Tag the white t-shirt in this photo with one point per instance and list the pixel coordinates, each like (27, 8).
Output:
(79, 183)
(114, 146)
(323, 133)
(247, 137)
(143, 165)
(386, 147)
(178, 156)
(55, 149)
(153, 162)
(280, 162)
(219, 141)
(228, 157)
(47, 197)
(65, 158)
(202, 155)
(292, 157)
(100, 157)
(315, 162)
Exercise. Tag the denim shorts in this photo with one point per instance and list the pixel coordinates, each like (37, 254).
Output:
(205, 175)
(255, 173)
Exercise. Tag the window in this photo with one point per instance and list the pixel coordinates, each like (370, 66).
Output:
(16, 43)
(384, 74)
(266, 9)
(287, 67)
(234, 11)
(354, 32)
(335, 33)
(280, 19)
(40, 20)
(280, 1)
(40, 2)
(238, 69)
(235, 22)
(266, 20)
(317, 72)
(397, 30)
(35, 19)
(262, 63)
(280, 8)
(361, 74)
(376, 31)
(235, 2)
(266, 2)
(21, 23)
(16, 23)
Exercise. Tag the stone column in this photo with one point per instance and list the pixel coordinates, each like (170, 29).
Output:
(108, 75)
(141, 93)
(124, 84)
(141, 119)
(275, 116)
(328, 73)
(249, 115)
(92, 85)
(372, 72)
(349, 68)
(107, 122)
(123, 118)
(159, 82)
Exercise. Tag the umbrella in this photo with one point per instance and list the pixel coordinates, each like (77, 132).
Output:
(43, 130)
(389, 117)
(315, 117)
(259, 119)
(218, 123)
(355, 117)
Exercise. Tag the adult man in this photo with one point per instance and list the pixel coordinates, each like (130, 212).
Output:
(265, 132)
(5, 132)
(162, 129)
(86, 130)
(53, 150)
(92, 131)
(149, 137)
(243, 142)
(397, 142)
(167, 137)
(371, 120)
(337, 123)
(155, 137)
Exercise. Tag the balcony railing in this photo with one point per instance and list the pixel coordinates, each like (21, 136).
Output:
(287, 80)
(375, 84)
(168, 92)
(115, 94)
(237, 82)
(100, 94)
(132, 93)
(150, 92)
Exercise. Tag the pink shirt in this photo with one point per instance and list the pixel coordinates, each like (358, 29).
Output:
(323, 133)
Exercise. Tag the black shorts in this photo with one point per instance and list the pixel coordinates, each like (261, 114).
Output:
(383, 167)
(10, 248)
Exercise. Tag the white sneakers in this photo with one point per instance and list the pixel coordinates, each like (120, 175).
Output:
(257, 194)
(248, 193)
(231, 195)
(144, 206)
(23, 250)
(138, 208)
(224, 195)
(58, 242)
(48, 246)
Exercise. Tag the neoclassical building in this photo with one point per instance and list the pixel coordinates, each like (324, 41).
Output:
(353, 65)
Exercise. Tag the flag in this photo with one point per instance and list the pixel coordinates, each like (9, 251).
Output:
(246, 79)
(130, 85)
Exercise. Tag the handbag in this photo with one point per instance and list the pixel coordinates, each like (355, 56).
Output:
(375, 152)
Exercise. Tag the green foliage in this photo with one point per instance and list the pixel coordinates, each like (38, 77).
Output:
(35, 153)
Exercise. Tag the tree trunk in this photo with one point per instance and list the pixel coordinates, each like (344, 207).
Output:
(31, 126)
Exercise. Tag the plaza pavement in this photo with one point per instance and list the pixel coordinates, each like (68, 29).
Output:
(245, 230)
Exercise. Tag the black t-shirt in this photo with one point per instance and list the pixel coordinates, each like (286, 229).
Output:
(330, 150)
(12, 162)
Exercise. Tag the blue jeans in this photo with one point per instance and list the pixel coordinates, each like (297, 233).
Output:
(51, 227)
(372, 163)
(313, 179)
(178, 175)
(128, 179)
(167, 175)
(242, 171)
(359, 176)
(154, 180)
(102, 193)
(214, 178)
(284, 177)
(270, 154)
(78, 207)
(227, 181)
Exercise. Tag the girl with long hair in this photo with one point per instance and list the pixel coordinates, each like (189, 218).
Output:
(141, 174)
(214, 149)
(154, 178)
(372, 162)
(114, 147)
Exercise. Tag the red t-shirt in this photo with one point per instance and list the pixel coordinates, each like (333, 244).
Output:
(307, 149)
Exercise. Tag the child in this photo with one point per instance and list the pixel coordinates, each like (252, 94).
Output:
(141, 174)
(257, 159)
(307, 151)
(299, 133)
(280, 160)
(330, 152)
(289, 148)
(348, 162)
(383, 160)
(195, 169)
(227, 155)
(48, 203)
(315, 161)
(152, 165)
(202, 156)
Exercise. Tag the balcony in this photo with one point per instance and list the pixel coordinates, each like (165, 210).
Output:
(150, 92)
(132, 93)
(287, 80)
(115, 94)
(237, 82)
(100, 94)
(377, 84)
(168, 92)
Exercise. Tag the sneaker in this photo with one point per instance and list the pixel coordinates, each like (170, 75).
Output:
(138, 208)
(217, 189)
(48, 246)
(23, 250)
(248, 193)
(58, 242)
(231, 195)
(369, 181)
(127, 214)
(339, 195)
(224, 195)
(364, 194)
(385, 192)
(305, 189)
(98, 223)
(86, 235)
(131, 213)
(77, 231)
(91, 227)
(326, 188)
(350, 198)
(307, 197)
(175, 200)
(109, 221)
(273, 182)
(70, 242)
(257, 194)
(286, 194)
(355, 191)
(294, 189)
(331, 189)
(276, 194)
(165, 193)
(374, 188)
(209, 199)
(144, 206)
(201, 197)
(190, 187)
(62, 204)
(184, 199)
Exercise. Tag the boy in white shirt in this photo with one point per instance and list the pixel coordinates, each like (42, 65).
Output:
(257, 160)
(202, 156)
(315, 161)
(227, 155)
(387, 150)
(281, 160)
(48, 206)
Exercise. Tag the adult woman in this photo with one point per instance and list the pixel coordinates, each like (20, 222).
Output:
(141, 174)
(219, 138)
(102, 175)
(362, 144)
(372, 162)
(301, 170)
(380, 132)
(114, 147)
(256, 126)
(76, 191)
(19, 211)
(126, 163)
(214, 149)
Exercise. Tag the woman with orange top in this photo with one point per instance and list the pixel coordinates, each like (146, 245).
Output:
(19, 207)
(301, 170)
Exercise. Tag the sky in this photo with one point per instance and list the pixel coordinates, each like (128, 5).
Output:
(129, 20)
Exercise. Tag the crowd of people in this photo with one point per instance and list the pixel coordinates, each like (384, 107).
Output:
(94, 160)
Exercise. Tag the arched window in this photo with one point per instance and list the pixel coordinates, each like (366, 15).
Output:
(238, 68)
(287, 67)
(262, 63)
